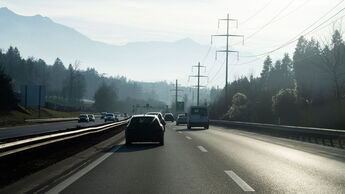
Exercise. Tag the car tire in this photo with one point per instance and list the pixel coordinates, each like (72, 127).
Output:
(177, 123)
(188, 126)
(161, 142)
(206, 127)
(128, 143)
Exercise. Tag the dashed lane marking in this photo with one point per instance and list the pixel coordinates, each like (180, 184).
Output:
(202, 149)
(188, 137)
(239, 181)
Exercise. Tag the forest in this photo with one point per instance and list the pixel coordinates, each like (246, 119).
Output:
(306, 89)
(69, 88)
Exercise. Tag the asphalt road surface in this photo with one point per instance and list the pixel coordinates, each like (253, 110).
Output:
(17, 131)
(217, 160)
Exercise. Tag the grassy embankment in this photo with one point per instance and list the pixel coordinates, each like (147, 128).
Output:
(18, 117)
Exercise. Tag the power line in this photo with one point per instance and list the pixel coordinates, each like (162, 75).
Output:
(256, 13)
(268, 23)
(257, 59)
(295, 38)
(289, 13)
(219, 70)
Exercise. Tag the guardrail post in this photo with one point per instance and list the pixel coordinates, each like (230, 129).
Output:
(331, 141)
(340, 143)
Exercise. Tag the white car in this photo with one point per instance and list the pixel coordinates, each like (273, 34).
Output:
(110, 117)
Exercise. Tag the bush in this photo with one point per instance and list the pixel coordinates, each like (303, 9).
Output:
(239, 109)
(284, 106)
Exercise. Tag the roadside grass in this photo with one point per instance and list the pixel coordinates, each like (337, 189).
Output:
(18, 117)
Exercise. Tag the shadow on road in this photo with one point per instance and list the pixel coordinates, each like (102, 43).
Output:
(192, 129)
(136, 147)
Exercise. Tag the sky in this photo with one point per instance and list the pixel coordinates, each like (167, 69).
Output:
(265, 24)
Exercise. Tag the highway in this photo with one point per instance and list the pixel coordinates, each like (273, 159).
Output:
(24, 130)
(217, 160)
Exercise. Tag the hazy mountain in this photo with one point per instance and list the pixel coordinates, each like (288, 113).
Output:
(41, 37)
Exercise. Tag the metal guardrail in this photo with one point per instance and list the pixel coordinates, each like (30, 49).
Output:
(331, 137)
(50, 120)
(25, 144)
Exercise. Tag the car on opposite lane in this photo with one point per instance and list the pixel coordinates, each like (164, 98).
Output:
(103, 114)
(110, 117)
(144, 128)
(83, 118)
(91, 117)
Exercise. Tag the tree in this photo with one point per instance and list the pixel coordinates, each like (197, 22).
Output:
(284, 106)
(74, 84)
(333, 57)
(105, 98)
(239, 108)
(265, 73)
(8, 99)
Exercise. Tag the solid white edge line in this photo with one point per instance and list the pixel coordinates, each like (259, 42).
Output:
(188, 137)
(238, 180)
(202, 149)
(70, 180)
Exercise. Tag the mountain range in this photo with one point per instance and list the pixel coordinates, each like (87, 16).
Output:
(41, 37)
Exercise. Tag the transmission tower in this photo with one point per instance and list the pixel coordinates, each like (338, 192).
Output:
(198, 76)
(227, 51)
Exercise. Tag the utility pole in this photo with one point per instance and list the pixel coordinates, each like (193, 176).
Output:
(227, 51)
(198, 76)
(176, 94)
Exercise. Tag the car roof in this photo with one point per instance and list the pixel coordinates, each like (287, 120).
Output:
(156, 113)
(144, 115)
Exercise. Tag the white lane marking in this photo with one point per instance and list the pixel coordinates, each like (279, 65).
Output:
(239, 181)
(188, 137)
(179, 132)
(202, 149)
(70, 180)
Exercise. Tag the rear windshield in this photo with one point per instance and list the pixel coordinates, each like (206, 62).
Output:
(108, 115)
(141, 121)
(82, 116)
(199, 111)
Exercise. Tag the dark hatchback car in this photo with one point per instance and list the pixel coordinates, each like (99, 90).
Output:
(181, 119)
(144, 128)
(169, 117)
